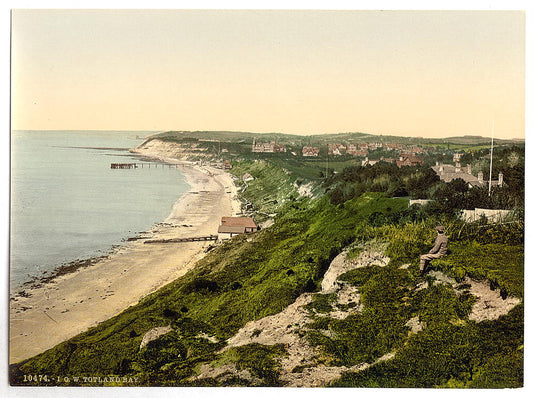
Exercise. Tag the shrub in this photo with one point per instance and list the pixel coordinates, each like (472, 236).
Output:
(202, 285)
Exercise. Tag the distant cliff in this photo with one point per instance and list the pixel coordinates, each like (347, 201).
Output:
(157, 148)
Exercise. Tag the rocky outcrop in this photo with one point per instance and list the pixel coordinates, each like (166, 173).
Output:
(340, 265)
(154, 334)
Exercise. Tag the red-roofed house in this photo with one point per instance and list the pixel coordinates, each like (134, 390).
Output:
(231, 226)
(407, 159)
(310, 151)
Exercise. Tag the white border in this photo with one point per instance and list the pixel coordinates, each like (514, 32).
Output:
(59, 392)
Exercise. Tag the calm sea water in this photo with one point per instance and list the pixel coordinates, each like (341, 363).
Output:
(68, 204)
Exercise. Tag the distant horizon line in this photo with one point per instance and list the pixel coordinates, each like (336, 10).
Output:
(272, 132)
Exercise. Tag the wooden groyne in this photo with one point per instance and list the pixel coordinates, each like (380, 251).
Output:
(177, 240)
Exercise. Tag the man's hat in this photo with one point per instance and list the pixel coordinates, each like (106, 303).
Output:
(439, 228)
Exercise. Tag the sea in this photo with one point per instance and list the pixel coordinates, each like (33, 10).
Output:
(67, 204)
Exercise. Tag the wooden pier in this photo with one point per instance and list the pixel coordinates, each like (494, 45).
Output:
(177, 240)
(123, 165)
(136, 166)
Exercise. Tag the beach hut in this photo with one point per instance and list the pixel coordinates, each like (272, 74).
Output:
(231, 226)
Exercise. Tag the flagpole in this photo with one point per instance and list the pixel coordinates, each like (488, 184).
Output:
(491, 150)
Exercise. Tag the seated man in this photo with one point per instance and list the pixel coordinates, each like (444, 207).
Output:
(438, 250)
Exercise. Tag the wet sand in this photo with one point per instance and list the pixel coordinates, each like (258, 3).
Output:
(69, 304)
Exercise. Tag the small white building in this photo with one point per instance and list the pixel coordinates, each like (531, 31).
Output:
(492, 215)
(367, 162)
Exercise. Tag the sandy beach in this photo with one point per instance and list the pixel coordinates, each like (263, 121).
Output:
(74, 302)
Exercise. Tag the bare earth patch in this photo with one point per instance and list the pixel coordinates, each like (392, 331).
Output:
(300, 368)
(490, 304)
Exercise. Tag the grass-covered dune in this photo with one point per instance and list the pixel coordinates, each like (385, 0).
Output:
(260, 274)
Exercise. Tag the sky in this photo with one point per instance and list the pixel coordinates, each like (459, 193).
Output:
(411, 73)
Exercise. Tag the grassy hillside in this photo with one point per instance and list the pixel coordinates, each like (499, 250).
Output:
(452, 350)
(247, 278)
(260, 274)
(271, 187)
(322, 139)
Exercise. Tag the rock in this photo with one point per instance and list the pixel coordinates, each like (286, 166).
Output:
(415, 324)
(340, 265)
(154, 334)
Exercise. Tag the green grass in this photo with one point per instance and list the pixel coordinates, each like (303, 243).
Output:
(270, 271)
(306, 170)
(253, 276)
(322, 303)
(451, 351)
(501, 264)
(453, 356)
(262, 361)
(379, 328)
(271, 188)
(333, 164)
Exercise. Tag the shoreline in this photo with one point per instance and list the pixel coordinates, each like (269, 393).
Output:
(59, 306)
(73, 266)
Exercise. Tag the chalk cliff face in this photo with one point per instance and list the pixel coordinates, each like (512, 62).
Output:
(160, 149)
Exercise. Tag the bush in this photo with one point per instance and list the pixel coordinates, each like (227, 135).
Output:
(262, 361)
(202, 285)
